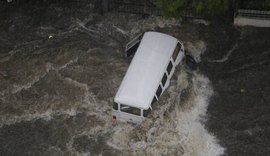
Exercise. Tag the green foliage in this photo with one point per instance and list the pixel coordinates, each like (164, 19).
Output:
(174, 8)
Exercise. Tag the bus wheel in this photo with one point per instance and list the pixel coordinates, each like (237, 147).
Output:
(191, 63)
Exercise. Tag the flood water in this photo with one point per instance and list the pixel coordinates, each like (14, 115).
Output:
(61, 65)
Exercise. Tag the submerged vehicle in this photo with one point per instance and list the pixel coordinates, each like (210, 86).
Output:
(155, 56)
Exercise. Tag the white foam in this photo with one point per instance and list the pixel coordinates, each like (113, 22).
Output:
(16, 88)
(73, 151)
(47, 115)
(120, 30)
(179, 133)
(226, 57)
(201, 21)
(196, 49)
(150, 24)
(19, 87)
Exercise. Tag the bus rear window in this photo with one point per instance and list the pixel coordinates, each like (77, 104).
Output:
(129, 109)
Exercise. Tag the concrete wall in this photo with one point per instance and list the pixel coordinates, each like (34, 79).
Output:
(252, 21)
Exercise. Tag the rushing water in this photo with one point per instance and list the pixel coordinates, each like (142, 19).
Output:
(59, 75)
(57, 91)
(176, 125)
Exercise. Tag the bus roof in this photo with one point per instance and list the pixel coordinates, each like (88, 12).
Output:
(146, 69)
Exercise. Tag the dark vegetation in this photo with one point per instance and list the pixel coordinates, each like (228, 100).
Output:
(174, 8)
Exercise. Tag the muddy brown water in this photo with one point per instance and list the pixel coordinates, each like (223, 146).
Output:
(61, 66)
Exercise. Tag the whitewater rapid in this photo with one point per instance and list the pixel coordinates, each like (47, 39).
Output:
(176, 127)
(72, 89)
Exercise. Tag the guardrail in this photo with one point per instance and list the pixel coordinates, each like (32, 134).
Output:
(253, 13)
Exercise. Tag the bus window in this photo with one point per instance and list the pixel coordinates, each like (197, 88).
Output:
(176, 51)
(129, 109)
(153, 101)
(169, 68)
(159, 90)
(164, 79)
(146, 112)
(133, 45)
(115, 106)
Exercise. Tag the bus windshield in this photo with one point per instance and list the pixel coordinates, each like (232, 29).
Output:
(129, 109)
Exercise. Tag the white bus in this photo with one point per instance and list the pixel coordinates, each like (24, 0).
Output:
(155, 57)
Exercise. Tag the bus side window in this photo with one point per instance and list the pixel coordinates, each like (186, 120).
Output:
(153, 101)
(159, 91)
(133, 45)
(169, 68)
(164, 79)
(176, 51)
